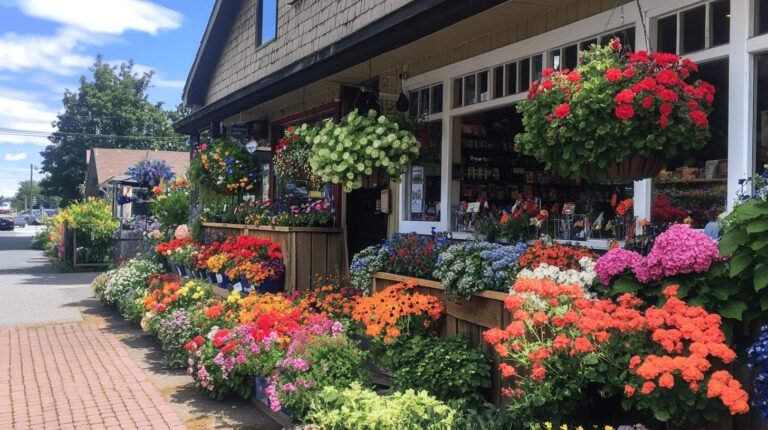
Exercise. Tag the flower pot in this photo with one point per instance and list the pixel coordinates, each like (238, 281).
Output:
(637, 167)
(211, 277)
(182, 271)
(245, 286)
(260, 387)
(272, 285)
(222, 280)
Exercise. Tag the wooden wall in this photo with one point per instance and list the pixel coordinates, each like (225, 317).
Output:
(307, 251)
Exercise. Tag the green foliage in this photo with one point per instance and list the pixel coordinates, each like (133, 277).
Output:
(171, 209)
(110, 110)
(358, 146)
(573, 122)
(95, 228)
(356, 408)
(334, 361)
(99, 284)
(21, 199)
(447, 368)
(745, 242)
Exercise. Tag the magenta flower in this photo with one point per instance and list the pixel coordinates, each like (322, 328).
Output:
(681, 250)
(615, 262)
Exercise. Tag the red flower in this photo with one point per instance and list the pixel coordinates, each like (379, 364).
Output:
(616, 44)
(613, 74)
(664, 59)
(667, 77)
(574, 77)
(199, 340)
(547, 84)
(699, 118)
(668, 95)
(647, 84)
(562, 111)
(549, 117)
(624, 112)
(663, 121)
(625, 96)
(629, 72)
(639, 57)
(547, 72)
(647, 102)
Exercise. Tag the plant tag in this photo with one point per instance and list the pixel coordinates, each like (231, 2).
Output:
(219, 278)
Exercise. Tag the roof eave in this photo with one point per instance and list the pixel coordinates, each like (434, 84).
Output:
(402, 26)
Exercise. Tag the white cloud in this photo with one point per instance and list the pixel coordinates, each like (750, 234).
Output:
(59, 54)
(100, 16)
(17, 156)
(24, 112)
(157, 79)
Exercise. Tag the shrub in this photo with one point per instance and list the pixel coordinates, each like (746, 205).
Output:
(357, 408)
(128, 282)
(174, 331)
(99, 284)
(447, 368)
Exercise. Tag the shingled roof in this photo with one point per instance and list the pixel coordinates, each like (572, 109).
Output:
(110, 163)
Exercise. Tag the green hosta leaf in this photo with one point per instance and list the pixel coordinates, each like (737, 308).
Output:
(759, 244)
(750, 210)
(731, 241)
(761, 276)
(757, 226)
(740, 262)
(733, 309)
(722, 292)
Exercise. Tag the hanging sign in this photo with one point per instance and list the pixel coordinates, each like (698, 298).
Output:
(238, 131)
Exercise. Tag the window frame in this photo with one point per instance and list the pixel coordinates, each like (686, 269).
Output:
(260, 23)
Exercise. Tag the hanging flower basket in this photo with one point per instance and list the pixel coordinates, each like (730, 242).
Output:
(637, 167)
(359, 146)
(617, 114)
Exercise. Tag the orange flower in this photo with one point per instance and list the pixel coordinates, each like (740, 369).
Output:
(629, 390)
(666, 380)
(507, 371)
(648, 387)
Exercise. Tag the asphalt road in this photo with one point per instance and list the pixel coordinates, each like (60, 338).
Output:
(33, 292)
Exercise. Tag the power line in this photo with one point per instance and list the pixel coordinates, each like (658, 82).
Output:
(33, 133)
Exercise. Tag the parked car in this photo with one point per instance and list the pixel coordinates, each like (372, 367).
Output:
(6, 224)
(20, 221)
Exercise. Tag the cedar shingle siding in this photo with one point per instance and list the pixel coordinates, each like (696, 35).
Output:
(302, 28)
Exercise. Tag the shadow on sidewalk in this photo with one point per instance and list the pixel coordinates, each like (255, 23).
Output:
(195, 409)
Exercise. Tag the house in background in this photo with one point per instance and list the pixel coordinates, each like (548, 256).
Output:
(105, 164)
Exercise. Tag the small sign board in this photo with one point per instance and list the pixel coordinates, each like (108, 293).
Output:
(238, 131)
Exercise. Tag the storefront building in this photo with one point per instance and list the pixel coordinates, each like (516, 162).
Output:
(464, 66)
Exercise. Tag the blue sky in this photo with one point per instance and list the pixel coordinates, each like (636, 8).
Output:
(46, 45)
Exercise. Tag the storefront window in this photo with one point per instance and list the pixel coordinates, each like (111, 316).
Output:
(490, 178)
(761, 16)
(694, 186)
(422, 180)
(701, 27)
(693, 23)
(761, 113)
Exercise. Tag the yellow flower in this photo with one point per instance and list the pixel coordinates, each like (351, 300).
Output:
(183, 291)
(197, 295)
(548, 426)
(234, 297)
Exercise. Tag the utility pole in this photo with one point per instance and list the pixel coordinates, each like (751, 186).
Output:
(30, 187)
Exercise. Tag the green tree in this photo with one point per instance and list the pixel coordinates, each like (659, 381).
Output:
(111, 110)
(21, 198)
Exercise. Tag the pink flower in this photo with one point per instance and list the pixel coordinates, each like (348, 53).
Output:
(681, 250)
(616, 261)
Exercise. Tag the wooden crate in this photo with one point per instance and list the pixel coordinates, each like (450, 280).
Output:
(307, 251)
(483, 311)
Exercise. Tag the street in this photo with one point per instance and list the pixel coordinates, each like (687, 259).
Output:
(32, 292)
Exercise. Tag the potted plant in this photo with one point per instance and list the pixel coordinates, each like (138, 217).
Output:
(225, 167)
(150, 173)
(617, 114)
(359, 146)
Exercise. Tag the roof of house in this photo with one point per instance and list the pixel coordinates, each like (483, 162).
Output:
(399, 27)
(111, 163)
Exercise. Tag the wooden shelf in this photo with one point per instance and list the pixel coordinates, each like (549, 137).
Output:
(689, 181)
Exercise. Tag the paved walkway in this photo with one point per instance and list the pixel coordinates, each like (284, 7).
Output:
(67, 361)
(75, 376)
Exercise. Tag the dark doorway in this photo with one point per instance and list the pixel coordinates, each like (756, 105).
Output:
(366, 225)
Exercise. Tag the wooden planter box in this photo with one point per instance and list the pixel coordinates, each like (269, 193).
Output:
(483, 311)
(307, 251)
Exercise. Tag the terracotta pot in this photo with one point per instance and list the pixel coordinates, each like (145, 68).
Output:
(637, 167)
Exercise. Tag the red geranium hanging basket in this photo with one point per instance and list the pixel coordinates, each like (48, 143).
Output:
(619, 115)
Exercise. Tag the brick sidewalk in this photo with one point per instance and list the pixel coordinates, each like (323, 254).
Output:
(75, 376)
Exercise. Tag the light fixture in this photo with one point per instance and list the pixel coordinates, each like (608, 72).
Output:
(251, 146)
